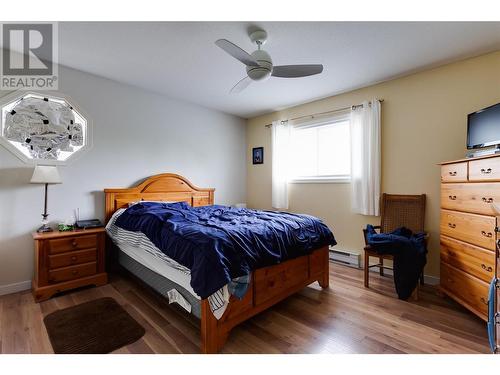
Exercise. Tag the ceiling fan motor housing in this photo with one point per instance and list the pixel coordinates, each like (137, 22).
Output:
(265, 68)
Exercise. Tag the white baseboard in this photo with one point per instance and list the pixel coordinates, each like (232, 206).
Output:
(431, 280)
(428, 279)
(16, 287)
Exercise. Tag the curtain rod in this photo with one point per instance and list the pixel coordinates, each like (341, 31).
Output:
(325, 113)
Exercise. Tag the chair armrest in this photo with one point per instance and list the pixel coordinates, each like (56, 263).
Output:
(364, 233)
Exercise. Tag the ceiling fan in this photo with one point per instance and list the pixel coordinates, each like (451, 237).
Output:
(259, 64)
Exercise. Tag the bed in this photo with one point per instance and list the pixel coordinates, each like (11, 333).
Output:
(266, 285)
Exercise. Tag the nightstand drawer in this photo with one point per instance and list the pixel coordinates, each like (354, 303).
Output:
(62, 245)
(68, 260)
(72, 258)
(72, 272)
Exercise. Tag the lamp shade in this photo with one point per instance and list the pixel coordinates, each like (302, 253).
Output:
(45, 174)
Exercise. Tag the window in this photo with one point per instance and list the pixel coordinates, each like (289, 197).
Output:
(320, 152)
(42, 128)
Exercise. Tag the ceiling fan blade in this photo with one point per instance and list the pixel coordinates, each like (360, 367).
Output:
(295, 71)
(241, 85)
(237, 52)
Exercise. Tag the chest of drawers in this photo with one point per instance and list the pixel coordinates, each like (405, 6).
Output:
(67, 260)
(469, 230)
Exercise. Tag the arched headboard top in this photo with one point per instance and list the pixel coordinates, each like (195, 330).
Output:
(168, 187)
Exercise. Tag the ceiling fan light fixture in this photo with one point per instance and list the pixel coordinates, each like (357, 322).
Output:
(258, 74)
(259, 65)
(265, 68)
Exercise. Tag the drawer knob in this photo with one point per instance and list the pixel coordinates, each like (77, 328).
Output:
(489, 269)
(451, 225)
(483, 300)
(489, 234)
(74, 243)
(485, 171)
(73, 258)
(453, 197)
(74, 272)
(452, 173)
(487, 200)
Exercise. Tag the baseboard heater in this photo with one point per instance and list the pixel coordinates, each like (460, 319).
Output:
(345, 257)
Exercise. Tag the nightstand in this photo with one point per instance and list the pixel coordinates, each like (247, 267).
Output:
(68, 260)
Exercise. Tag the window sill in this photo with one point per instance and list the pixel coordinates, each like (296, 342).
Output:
(320, 180)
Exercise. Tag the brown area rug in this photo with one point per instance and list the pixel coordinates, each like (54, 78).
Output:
(96, 327)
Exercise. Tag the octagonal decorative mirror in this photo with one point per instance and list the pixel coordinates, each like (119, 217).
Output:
(42, 128)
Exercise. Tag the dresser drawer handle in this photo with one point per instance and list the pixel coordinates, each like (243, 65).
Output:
(453, 197)
(74, 243)
(483, 300)
(452, 173)
(485, 171)
(74, 258)
(451, 225)
(74, 272)
(489, 234)
(489, 269)
(487, 200)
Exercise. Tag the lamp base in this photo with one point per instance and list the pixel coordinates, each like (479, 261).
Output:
(44, 228)
(45, 224)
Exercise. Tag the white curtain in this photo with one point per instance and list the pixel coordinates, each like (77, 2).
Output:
(280, 168)
(365, 158)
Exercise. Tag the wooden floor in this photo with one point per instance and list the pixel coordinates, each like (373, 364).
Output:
(347, 318)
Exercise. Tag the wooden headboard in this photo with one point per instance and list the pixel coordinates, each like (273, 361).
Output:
(161, 187)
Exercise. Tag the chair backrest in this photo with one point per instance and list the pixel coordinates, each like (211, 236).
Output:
(402, 211)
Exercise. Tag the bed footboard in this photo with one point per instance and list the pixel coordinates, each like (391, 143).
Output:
(268, 286)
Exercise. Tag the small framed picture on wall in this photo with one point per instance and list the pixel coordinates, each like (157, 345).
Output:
(258, 155)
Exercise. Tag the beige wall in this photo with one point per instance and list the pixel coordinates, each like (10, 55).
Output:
(423, 123)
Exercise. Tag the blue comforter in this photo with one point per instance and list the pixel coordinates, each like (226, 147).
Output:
(219, 243)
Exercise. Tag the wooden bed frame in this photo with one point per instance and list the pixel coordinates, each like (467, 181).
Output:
(268, 286)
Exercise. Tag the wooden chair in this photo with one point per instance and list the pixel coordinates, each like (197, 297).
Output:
(396, 211)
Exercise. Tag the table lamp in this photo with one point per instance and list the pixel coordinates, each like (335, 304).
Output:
(45, 174)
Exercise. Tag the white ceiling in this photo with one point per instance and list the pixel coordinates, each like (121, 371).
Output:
(182, 61)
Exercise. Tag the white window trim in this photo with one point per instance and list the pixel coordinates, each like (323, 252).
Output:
(321, 180)
(317, 122)
(321, 121)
